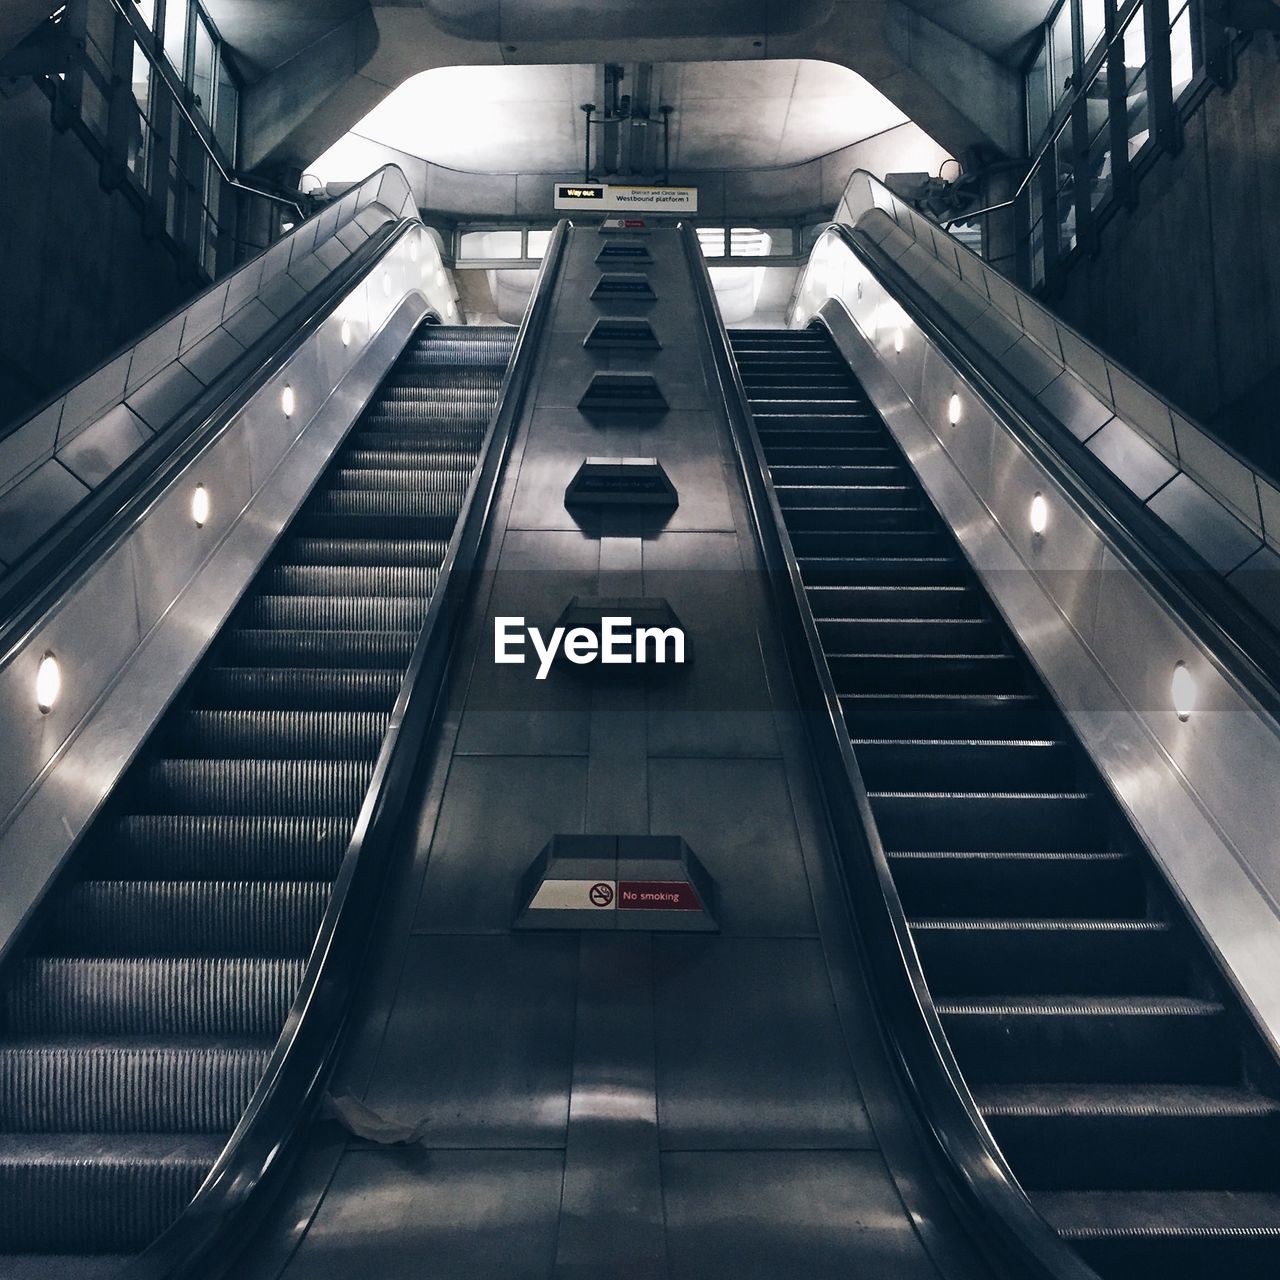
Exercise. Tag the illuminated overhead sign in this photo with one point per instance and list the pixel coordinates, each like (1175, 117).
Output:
(608, 196)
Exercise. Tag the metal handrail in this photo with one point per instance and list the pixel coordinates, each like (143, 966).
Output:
(209, 1234)
(1004, 1224)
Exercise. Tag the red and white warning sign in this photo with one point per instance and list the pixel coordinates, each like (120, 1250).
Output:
(575, 895)
(657, 895)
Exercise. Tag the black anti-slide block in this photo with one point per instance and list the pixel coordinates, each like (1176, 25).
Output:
(621, 482)
(639, 883)
(625, 393)
(614, 332)
(631, 285)
(615, 252)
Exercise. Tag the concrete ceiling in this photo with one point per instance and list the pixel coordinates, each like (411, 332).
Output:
(529, 119)
(998, 27)
(265, 34)
(316, 67)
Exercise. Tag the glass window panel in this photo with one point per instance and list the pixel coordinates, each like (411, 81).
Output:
(1097, 104)
(1181, 53)
(175, 33)
(226, 110)
(1093, 18)
(1038, 96)
(1060, 52)
(1100, 175)
(538, 242)
(1037, 255)
(750, 242)
(1065, 160)
(712, 241)
(138, 127)
(141, 80)
(490, 244)
(202, 69)
(146, 10)
(1133, 47)
(1137, 114)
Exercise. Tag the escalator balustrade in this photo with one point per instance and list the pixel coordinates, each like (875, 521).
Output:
(140, 1012)
(1129, 1093)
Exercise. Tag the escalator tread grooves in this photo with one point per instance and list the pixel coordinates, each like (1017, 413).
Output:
(1087, 1019)
(141, 1014)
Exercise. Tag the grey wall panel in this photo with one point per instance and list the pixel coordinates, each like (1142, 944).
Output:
(30, 509)
(1128, 455)
(99, 449)
(88, 398)
(158, 402)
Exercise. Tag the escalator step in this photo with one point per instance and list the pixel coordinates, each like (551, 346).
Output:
(187, 918)
(236, 997)
(965, 764)
(1097, 1039)
(128, 1087)
(954, 715)
(856, 520)
(96, 1193)
(1177, 1235)
(853, 602)
(399, 479)
(278, 647)
(1151, 1137)
(385, 552)
(279, 689)
(334, 613)
(1054, 821)
(277, 735)
(921, 672)
(152, 846)
(792, 477)
(349, 580)
(977, 957)
(272, 788)
(911, 635)
(405, 454)
(1018, 883)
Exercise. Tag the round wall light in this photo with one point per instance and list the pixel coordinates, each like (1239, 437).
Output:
(287, 402)
(953, 410)
(200, 506)
(1182, 688)
(346, 333)
(1039, 514)
(48, 683)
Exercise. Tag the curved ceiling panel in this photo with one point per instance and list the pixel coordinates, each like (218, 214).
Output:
(552, 20)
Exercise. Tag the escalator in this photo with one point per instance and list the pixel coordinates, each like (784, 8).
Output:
(142, 1007)
(1125, 1086)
